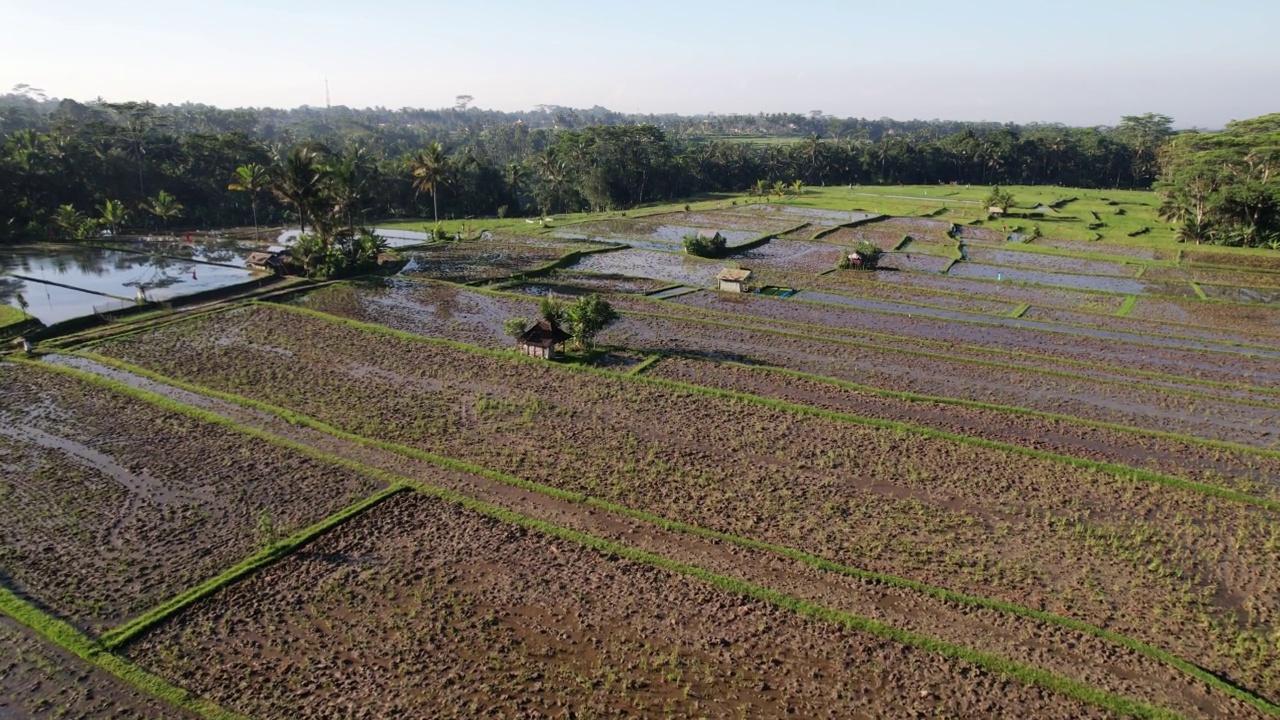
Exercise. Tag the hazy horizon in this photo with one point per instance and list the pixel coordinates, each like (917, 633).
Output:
(1009, 62)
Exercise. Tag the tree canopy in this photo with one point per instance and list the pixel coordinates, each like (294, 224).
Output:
(1224, 188)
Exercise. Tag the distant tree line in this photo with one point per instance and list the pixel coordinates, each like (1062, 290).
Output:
(1224, 188)
(71, 168)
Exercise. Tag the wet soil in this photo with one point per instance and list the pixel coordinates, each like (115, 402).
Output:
(38, 680)
(1032, 531)
(112, 505)
(1073, 654)
(422, 608)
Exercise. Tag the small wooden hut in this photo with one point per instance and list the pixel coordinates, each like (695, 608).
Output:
(994, 211)
(733, 279)
(542, 340)
(855, 260)
(276, 262)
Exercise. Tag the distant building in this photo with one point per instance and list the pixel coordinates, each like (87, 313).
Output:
(541, 340)
(733, 280)
(995, 211)
(710, 235)
(855, 260)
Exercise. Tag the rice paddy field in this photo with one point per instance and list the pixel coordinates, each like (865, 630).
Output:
(1008, 473)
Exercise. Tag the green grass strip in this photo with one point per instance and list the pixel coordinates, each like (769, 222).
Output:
(644, 365)
(1142, 269)
(68, 638)
(122, 635)
(1127, 306)
(994, 663)
(676, 526)
(1020, 310)
(1199, 291)
(1121, 471)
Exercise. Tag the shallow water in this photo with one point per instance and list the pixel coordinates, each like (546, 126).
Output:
(394, 238)
(676, 233)
(114, 273)
(1127, 286)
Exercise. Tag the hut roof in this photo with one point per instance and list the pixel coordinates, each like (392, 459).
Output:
(734, 274)
(544, 334)
(708, 234)
(259, 258)
(993, 210)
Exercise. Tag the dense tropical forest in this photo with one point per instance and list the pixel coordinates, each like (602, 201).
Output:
(70, 169)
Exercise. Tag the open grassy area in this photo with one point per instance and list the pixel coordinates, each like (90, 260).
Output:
(10, 315)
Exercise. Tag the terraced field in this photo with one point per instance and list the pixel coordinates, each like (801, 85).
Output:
(1001, 476)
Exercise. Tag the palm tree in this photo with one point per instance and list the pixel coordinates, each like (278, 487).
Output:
(516, 176)
(113, 215)
(253, 179)
(164, 206)
(797, 187)
(23, 304)
(69, 220)
(296, 180)
(429, 170)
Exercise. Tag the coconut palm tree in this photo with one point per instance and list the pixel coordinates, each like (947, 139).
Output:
(253, 179)
(164, 206)
(113, 214)
(296, 180)
(429, 168)
(69, 220)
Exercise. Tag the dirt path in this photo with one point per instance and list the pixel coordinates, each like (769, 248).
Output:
(1071, 653)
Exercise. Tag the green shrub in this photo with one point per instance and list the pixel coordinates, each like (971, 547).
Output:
(708, 247)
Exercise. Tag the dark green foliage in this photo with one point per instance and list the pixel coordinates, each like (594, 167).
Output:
(708, 247)
(513, 327)
(869, 253)
(349, 167)
(587, 317)
(1224, 188)
(999, 198)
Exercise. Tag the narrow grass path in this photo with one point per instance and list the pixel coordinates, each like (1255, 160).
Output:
(805, 558)
(996, 664)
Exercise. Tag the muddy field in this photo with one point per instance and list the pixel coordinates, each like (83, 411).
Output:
(1249, 321)
(112, 505)
(38, 680)
(790, 255)
(670, 267)
(1241, 470)
(1037, 532)
(1012, 339)
(1065, 298)
(1051, 263)
(491, 257)
(420, 608)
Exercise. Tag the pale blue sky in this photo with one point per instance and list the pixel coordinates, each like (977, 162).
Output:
(1081, 62)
